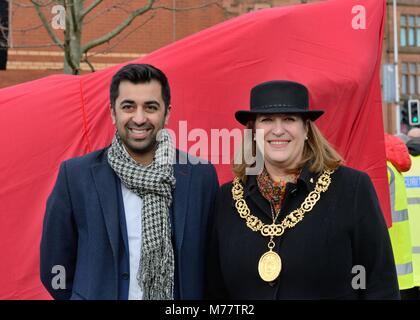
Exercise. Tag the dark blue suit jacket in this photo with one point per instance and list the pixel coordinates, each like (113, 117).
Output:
(84, 229)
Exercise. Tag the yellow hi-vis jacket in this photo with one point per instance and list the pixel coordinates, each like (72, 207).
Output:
(412, 184)
(400, 230)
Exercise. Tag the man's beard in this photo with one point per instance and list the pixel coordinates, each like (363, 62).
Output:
(144, 149)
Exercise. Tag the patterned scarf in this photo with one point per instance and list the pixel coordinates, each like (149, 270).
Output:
(154, 184)
(273, 191)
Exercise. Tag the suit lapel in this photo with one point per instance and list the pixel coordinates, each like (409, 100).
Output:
(106, 186)
(180, 202)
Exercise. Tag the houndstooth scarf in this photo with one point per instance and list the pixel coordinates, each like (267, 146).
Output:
(154, 184)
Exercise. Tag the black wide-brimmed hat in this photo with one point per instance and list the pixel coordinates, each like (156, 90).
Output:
(278, 96)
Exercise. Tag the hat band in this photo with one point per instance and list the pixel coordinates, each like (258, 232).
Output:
(278, 105)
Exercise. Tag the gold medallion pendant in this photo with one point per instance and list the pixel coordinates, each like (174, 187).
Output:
(269, 266)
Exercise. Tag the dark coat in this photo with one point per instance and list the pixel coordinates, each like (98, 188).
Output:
(84, 229)
(345, 229)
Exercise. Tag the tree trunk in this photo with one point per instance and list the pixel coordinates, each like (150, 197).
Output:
(73, 37)
(73, 55)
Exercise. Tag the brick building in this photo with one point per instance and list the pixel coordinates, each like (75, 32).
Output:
(408, 36)
(32, 54)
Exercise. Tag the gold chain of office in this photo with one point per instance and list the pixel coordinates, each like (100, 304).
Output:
(273, 229)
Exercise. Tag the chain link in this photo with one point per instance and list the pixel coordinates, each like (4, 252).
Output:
(293, 218)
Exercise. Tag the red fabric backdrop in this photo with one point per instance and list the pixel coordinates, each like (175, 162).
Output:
(211, 73)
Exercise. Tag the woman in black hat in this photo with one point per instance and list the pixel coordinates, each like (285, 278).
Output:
(305, 226)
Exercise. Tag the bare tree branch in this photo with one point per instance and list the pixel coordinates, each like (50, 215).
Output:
(101, 12)
(85, 59)
(189, 8)
(22, 5)
(47, 25)
(107, 50)
(92, 6)
(119, 28)
(98, 13)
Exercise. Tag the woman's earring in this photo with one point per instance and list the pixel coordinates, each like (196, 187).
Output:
(306, 138)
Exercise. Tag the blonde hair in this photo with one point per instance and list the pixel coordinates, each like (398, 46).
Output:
(316, 149)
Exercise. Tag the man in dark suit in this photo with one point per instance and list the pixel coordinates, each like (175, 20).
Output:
(127, 221)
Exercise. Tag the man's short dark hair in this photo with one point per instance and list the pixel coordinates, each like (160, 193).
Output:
(140, 73)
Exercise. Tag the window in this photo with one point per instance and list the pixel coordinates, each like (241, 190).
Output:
(410, 31)
(410, 79)
(403, 31)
